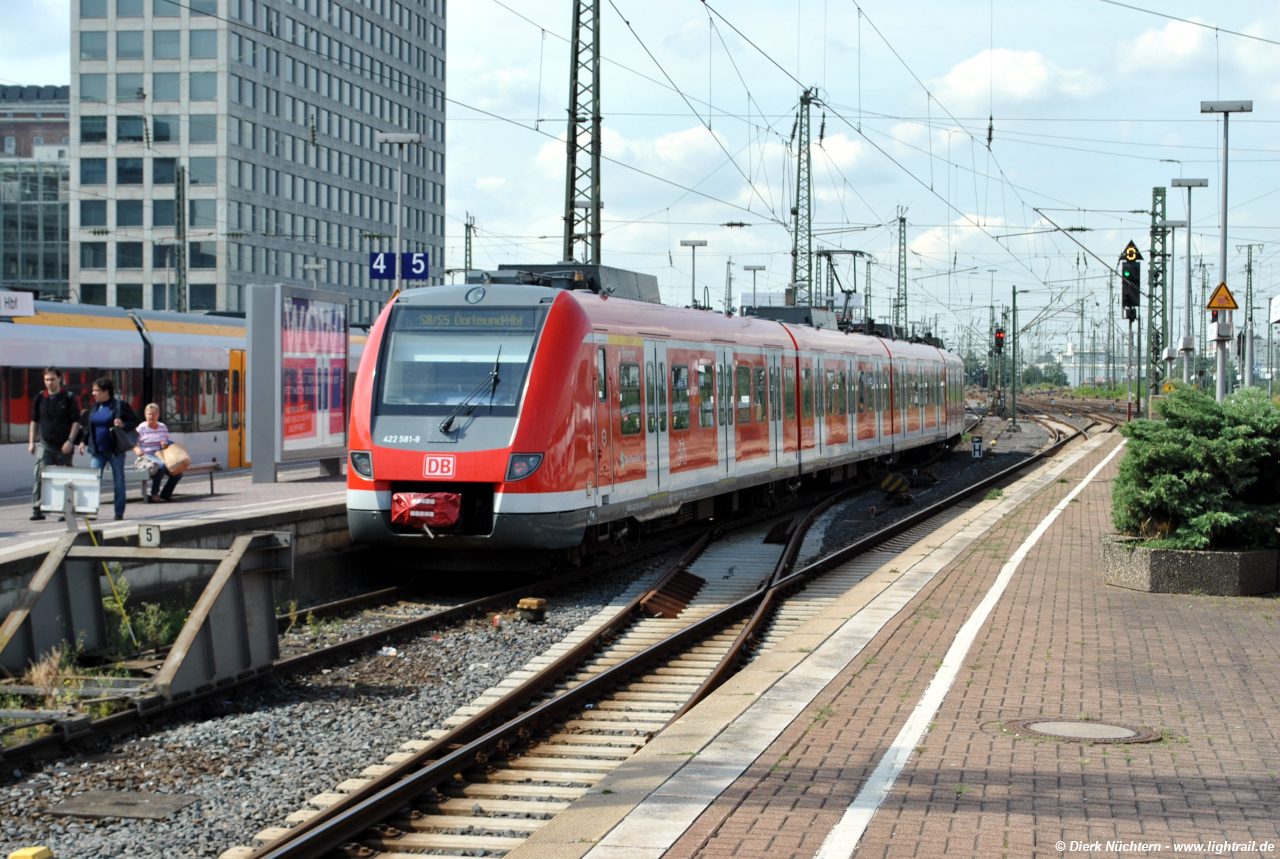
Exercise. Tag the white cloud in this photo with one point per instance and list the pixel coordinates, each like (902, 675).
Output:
(1012, 77)
(1169, 48)
(490, 183)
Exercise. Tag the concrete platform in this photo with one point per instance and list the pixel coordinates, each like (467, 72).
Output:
(877, 728)
(305, 503)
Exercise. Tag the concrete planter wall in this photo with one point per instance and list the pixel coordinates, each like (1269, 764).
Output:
(1179, 571)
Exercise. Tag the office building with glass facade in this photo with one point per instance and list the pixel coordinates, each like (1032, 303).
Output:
(34, 182)
(270, 109)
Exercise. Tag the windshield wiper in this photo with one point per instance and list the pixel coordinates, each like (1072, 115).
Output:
(490, 381)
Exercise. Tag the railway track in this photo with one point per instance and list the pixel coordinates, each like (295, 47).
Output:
(524, 750)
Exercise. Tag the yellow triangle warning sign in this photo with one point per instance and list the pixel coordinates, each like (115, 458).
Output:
(1222, 299)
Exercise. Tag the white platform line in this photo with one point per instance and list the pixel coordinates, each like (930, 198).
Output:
(843, 839)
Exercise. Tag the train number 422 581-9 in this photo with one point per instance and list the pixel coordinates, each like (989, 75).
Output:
(401, 439)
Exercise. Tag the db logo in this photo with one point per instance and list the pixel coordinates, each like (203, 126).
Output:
(438, 466)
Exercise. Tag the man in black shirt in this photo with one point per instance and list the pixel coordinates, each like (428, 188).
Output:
(57, 415)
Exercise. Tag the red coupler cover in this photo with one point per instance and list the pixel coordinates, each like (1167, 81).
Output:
(425, 509)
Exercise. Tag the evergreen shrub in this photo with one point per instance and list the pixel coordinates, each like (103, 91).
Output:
(1207, 476)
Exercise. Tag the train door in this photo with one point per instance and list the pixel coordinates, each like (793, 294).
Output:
(657, 447)
(725, 412)
(602, 419)
(235, 409)
(774, 362)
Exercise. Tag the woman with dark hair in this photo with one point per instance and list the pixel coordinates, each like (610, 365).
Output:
(100, 420)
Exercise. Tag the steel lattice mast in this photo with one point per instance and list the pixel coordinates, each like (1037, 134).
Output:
(1157, 295)
(582, 143)
(900, 300)
(802, 212)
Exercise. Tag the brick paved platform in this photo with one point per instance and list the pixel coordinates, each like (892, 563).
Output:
(1057, 643)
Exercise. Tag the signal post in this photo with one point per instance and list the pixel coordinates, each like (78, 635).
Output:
(1130, 300)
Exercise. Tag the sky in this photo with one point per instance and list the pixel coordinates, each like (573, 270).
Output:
(1090, 105)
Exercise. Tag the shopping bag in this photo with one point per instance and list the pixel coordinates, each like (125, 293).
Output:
(175, 458)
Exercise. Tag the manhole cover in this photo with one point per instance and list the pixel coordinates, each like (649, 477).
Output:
(1075, 730)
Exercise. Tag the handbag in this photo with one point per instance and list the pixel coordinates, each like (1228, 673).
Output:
(175, 458)
(124, 439)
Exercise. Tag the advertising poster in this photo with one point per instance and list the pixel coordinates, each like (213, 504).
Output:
(313, 364)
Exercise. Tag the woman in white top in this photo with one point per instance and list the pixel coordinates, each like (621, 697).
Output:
(153, 437)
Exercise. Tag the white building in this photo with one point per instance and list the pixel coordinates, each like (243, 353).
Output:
(270, 107)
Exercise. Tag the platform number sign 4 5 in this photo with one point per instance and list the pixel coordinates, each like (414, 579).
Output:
(382, 266)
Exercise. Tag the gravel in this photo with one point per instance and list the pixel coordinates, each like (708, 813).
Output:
(852, 520)
(257, 756)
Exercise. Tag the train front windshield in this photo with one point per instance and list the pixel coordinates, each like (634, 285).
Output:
(438, 358)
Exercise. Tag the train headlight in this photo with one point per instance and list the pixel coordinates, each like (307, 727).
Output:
(362, 463)
(522, 465)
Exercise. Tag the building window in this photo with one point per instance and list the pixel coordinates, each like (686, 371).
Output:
(204, 7)
(130, 86)
(202, 171)
(93, 129)
(93, 293)
(128, 8)
(129, 44)
(203, 213)
(162, 254)
(203, 296)
(159, 296)
(204, 44)
(166, 44)
(202, 128)
(162, 214)
(164, 129)
(128, 171)
(203, 255)
(93, 87)
(164, 9)
(93, 8)
(161, 170)
(203, 86)
(93, 254)
(93, 213)
(93, 46)
(166, 86)
(128, 254)
(93, 171)
(130, 129)
(129, 295)
(128, 213)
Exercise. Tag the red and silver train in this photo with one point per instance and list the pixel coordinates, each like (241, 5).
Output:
(513, 416)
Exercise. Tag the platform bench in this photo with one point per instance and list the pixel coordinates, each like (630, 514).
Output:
(209, 468)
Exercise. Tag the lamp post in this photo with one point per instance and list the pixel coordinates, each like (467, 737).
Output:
(693, 245)
(1172, 226)
(400, 139)
(753, 269)
(315, 269)
(1223, 333)
(1188, 340)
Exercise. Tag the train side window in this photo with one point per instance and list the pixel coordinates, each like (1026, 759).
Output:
(629, 397)
(724, 413)
(842, 393)
(602, 377)
(235, 399)
(744, 394)
(861, 399)
(662, 396)
(775, 394)
(706, 396)
(789, 394)
(650, 403)
(679, 397)
(760, 406)
(806, 393)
